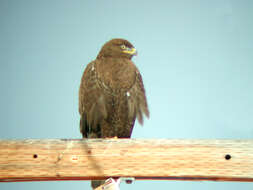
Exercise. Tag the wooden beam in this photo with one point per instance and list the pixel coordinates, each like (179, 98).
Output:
(63, 159)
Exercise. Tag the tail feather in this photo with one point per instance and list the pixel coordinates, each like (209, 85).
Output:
(96, 183)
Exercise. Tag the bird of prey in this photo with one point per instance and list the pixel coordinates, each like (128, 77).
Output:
(111, 94)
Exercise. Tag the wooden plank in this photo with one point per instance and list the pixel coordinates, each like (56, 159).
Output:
(62, 159)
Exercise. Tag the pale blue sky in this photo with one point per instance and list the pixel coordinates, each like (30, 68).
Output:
(195, 57)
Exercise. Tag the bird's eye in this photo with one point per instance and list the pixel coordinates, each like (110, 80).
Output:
(123, 46)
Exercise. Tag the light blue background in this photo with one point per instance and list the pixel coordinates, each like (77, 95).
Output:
(195, 57)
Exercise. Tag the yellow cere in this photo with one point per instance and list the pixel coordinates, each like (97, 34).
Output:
(131, 51)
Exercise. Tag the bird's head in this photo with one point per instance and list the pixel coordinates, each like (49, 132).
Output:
(118, 48)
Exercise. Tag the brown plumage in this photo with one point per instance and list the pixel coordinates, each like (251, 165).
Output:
(111, 93)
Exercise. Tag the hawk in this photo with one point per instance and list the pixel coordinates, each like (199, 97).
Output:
(111, 94)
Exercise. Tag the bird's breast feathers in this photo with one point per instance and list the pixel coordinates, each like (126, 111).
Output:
(116, 74)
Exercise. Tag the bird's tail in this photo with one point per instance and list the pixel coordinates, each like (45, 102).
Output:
(96, 183)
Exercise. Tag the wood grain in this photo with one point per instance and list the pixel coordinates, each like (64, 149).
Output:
(63, 159)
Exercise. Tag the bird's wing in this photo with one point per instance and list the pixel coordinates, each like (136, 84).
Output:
(92, 106)
(137, 102)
